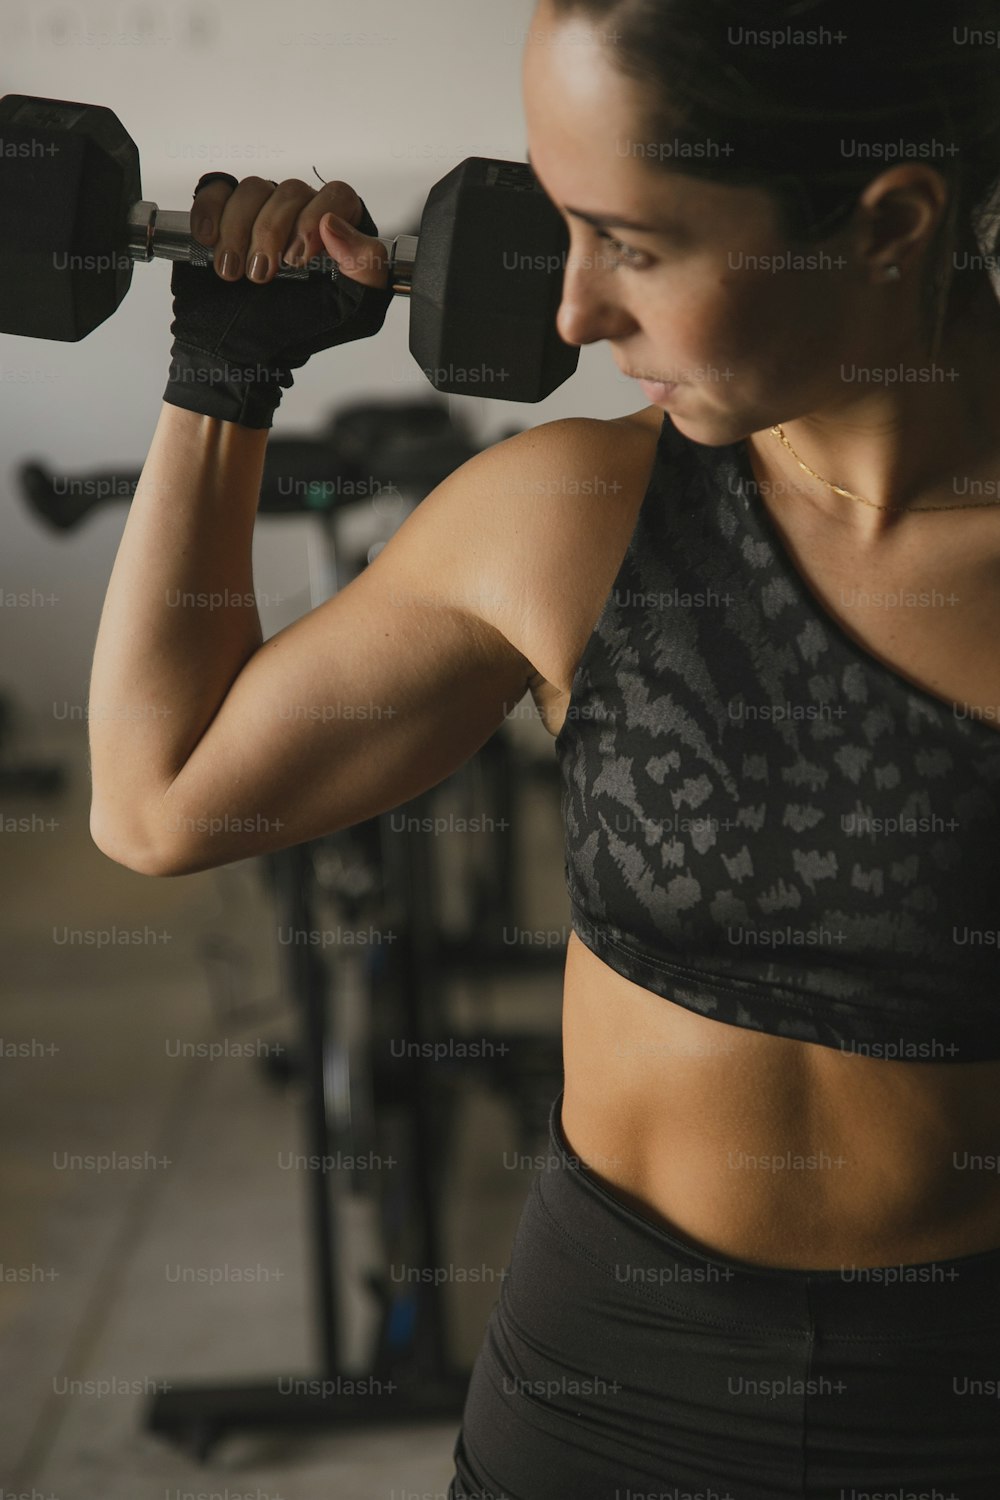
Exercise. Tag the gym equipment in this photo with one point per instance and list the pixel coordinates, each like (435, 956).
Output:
(369, 453)
(484, 275)
(364, 1099)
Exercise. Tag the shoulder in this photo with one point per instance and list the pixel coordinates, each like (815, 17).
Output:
(557, 440)
(535, 507)
(554, 511)
(566, 463)
(526, 537)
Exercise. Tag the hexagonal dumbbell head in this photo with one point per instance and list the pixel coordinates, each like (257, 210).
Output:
(68, 175)
(487, 282)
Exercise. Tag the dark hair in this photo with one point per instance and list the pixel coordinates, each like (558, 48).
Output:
(717, 78)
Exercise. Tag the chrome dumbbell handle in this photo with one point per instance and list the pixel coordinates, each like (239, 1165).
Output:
(156, 233)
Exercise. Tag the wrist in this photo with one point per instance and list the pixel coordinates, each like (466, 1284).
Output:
(195, 438)
(212, 386)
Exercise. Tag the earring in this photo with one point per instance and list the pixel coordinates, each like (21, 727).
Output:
(892, 273)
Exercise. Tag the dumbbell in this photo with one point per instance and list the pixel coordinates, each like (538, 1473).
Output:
(484, 274)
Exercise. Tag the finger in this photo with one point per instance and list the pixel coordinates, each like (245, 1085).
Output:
(274, 226)
(206, 211)
(238, 215)
(360, 257)
(336, 197)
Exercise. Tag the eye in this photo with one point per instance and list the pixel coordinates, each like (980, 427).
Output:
(628, 257)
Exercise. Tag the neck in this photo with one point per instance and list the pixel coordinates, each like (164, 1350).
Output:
(902, 446)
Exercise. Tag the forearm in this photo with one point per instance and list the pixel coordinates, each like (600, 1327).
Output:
(179, 620)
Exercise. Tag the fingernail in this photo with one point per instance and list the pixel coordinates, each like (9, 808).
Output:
(295, 254)
(258, 266)
(229, 265)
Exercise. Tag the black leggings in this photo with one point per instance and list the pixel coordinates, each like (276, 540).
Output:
(622, 1364)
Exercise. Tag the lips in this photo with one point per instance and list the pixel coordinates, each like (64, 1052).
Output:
(657, 391)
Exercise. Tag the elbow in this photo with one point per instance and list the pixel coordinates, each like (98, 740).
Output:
(142, 857)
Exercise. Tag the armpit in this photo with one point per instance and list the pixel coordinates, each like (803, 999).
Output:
(551, 702)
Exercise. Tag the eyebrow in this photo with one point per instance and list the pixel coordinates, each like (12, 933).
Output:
(613, 221)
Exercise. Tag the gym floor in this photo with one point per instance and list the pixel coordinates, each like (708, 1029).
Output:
(106, 1291)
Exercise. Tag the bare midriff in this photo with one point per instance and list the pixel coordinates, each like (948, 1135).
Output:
(770, 1150)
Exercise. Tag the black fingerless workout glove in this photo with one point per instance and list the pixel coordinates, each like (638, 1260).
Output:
(236, 344)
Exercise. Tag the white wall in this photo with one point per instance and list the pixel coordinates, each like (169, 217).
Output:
(383, 93)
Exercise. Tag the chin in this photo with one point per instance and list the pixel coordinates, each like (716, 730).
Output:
(713, 428)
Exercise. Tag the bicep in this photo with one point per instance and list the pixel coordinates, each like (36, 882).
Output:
(375, 696)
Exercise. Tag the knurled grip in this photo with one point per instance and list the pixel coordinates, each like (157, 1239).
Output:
(155, 233)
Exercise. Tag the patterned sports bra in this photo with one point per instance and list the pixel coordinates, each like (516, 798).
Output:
(763, 822)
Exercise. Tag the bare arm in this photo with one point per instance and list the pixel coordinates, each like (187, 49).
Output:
(162, 666)
(208, 745)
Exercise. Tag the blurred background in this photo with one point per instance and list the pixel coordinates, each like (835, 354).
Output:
(170, 1051)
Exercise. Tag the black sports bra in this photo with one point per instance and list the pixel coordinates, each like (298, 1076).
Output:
(763, 822)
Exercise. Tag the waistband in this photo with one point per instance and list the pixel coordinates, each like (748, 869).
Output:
(860, 1303)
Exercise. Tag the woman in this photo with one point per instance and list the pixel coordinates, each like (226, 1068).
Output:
(763, 1258)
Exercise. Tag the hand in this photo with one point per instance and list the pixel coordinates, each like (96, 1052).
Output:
(238, 331)
(291, 222)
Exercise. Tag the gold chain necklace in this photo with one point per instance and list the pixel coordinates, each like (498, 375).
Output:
(778, 432)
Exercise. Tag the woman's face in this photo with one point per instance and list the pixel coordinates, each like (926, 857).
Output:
(704, 294)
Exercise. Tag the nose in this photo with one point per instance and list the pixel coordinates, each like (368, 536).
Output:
(590, 308)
